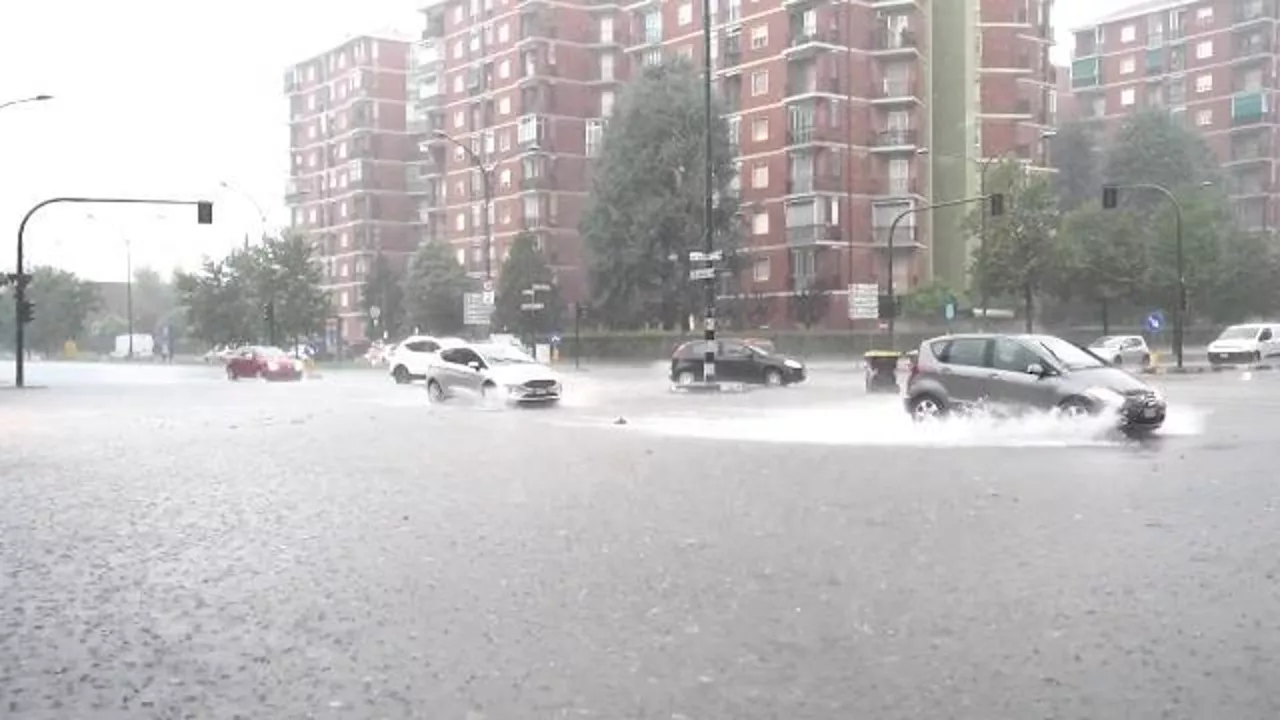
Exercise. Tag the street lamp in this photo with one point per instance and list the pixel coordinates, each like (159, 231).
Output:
(262, 215)
(128, 288)
(488, 197)
(34, 98)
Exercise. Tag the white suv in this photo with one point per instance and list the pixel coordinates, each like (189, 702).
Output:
(412, 356)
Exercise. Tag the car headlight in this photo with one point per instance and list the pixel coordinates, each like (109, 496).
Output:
(1105, 396)
(794, 365)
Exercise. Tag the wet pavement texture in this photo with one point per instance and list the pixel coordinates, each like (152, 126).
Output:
(174, 545)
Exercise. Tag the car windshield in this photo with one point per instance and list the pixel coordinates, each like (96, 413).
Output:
(1106, 342)
(1239, 332)
(1069, 356)
(503, 354)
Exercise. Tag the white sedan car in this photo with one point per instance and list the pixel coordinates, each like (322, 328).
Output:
(410, 358)
(1122, 350)
(490, 369)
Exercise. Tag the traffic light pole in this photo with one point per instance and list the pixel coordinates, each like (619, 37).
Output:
(204, 216)
(997, 208)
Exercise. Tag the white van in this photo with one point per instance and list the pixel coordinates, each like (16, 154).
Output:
(1248, 343)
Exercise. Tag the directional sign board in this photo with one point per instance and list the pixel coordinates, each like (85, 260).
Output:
(864, 301)
(489, 297)
(488, 286)
(1154, 322)
(702, 273)
(474, 309)
(540, 287)
(532, 306)
(715, 256)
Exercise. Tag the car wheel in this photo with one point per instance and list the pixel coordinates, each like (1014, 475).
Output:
(1257, 356)
(487, 389)
(1118, 361)
(1146, 360)
(925, 407)
(772, 377)
(231, 374)
(434, 391)
(401, 375)
(1075, 408)
(686, 377)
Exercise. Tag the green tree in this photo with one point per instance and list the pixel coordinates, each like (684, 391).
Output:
(811, 301)
(292, 286)
(153, 300)
(384, 290)
(526, 265)
(1243, 284)
(1152, 147)
(433, 290)
(62, 303)
(219, 308)
(1017, 254)
(1075, 155)
(645, 211)
(1101, 257)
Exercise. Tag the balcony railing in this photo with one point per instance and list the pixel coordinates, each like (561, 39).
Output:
(895, 138)
(803, 135)
(889, 39)
(904, 236)
(1251, 11)
(1252, 151)
(896, 186)
(893, 88)
(812, 234)
(801, 37)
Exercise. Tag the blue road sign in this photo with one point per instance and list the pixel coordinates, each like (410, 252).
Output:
(949, 311)
(555, 339)
(1154, 322)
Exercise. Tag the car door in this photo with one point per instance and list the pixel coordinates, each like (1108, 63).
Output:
(1268, 343)
(735, 362)
(418, 356)
(1011, 385)
(1133, 350)
(964, 369)
(468, 369)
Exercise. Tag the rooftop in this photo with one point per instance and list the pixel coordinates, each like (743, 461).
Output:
(1135, 10)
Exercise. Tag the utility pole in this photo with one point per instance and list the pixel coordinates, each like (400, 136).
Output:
(532, 306)
(708, 211)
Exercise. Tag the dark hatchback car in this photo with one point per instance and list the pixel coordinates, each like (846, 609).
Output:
(736, 361)
(1026, 372)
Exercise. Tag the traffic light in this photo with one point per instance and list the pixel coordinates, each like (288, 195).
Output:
(997, 204)
(26, 312)
(204, 212)
(1110, 197)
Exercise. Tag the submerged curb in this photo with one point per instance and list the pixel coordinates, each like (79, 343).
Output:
(1201, 369)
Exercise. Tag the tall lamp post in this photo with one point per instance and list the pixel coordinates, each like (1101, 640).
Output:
(262, 214)
(20, 101)
(488, 197)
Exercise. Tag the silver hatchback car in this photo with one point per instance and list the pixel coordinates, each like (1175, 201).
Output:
(1015, 373)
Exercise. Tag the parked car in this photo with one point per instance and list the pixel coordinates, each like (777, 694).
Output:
(1248, 343)
(1015, 373)
(268, 363)
(410, 359)
(1122, 350)
(492, 368)
(736, 361)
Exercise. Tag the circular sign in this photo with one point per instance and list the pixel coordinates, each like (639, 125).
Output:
(375, 312)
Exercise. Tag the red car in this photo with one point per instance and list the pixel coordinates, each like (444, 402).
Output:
(268, 363)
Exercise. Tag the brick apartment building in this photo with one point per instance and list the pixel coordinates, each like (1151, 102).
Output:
(1210, 62)
(350, 155)
(843, 114)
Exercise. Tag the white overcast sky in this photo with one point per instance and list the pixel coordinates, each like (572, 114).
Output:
(167, 98)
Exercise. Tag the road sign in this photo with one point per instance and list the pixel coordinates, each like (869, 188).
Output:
(864, 301)
(489, 297)
(532, 306)
(488, 286)
(705, 273)
(540, 287)
(474, 309)
(949, 310)
(1154, 322)
(555, 339)
(375, 312)
(697, 256)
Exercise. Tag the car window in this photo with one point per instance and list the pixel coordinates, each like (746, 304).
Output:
(1265, 335)
(1066, 354)
(692, 350)
(1133, 342)
(965, 351)
(454, 355)
(422, 346)
(734, 350)
(1013, 356)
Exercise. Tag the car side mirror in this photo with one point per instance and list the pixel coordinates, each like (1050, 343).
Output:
(474, 364)
(1037, 369)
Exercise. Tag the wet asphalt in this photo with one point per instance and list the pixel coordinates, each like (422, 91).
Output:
(173, 545)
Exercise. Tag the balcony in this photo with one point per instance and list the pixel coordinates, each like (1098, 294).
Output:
(900, 140)
(1251, 186)
(1248, 13)
(895, 5)
(905, 237)
(805, 43)
(895, 187)
(435, 27)
(730, 59)
(895, 91)
(887, 42)
(1248, 153)
(537, 182)
(535, 73)
(813, 85)
(1252, 49)
(1250, 108)
(809, 184)
(296, 191)
(805, 235)
(810, 134)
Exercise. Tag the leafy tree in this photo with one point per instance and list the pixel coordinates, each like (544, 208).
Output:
(219, 309)
(1101, 257)
(384, 289)
(1075, 155)
(811, 301)
(433, 290)
(1151, 147)
(927, 301)
(1018, 251)
(292, 287)
(526, 265)
(645, 211)
(62, 303)
(1244, 279)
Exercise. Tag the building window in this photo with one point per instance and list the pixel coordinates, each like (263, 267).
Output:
(504, 141)
(504, 33)
(1127, 97)
(527, 130)
(595, 137)
(652, 57)
(1128, 33)
(1204, 50)
(532, 210)
(1128, 65)
(460, 222)
(760, 176)
(504, 105)
(760, 37)
(504, 179)
(760, 270)
(1205, 14)
(606, 29)
(606, 103)
(759, 83)
(684, 15)
(504, 69)
(459, 118)
(1204, 83)
(760, 223)
(760, 129)
(458, 86)
(1204, 118)
(458, 50)
(606, 66)
(344, 299)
